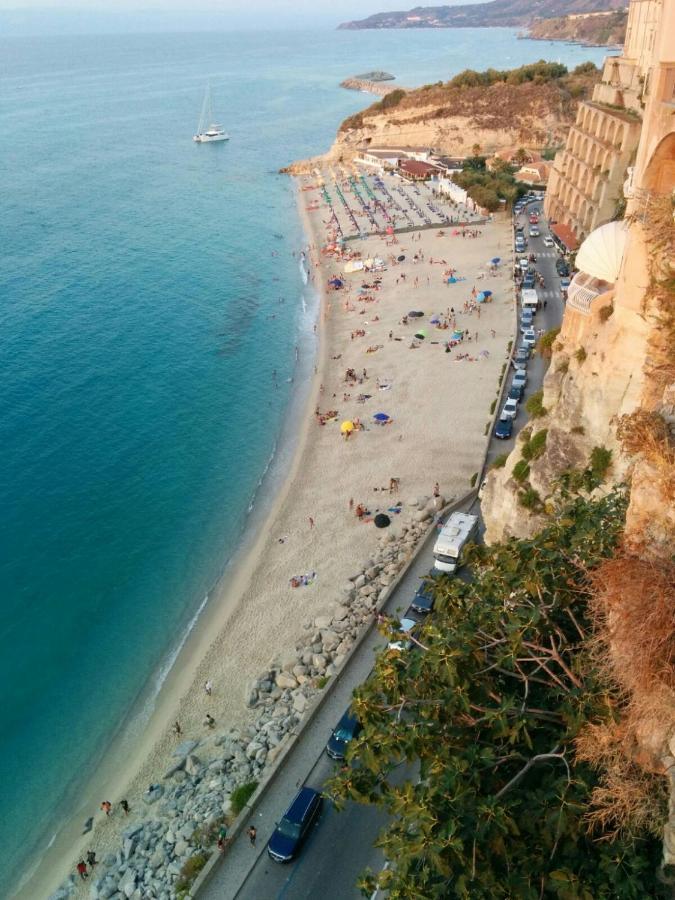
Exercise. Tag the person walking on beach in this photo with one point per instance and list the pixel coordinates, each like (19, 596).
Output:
(176, 727)
(209, 721)
(106, 806)
(82, 870)
(437, 490)
(252, 833)
(208, 687)
(125, 807)
(91, 858)
(311, 522)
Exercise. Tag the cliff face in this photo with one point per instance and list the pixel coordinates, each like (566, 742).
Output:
(451, 119)
(601, 29)
(499, 12)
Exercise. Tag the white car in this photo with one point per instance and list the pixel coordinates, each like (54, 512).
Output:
(534, 232)
(530, 338)
(548, 240)
(510, 409)
(524, 264)
(404, 627)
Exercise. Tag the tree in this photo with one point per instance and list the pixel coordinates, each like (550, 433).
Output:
(490, 703)
(476, 150)
(521, 156)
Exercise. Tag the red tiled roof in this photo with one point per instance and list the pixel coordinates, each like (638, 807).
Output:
(565, 234)
(413, 167)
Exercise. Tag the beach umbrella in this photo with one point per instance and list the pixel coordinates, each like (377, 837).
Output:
(435, 320)
(390, 230)
(495, 261)
(335, 282)
(421, 334)
(457, 335)
(382, 521)
(481, 297)
(381, 417)
(452, 280)
(415, 314)
(347, 427)
(487, 293)
(401, 258)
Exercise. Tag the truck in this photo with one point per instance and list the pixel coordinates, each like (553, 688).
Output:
(529, 299)
(459, 529)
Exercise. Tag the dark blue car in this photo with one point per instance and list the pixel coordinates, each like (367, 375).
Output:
(504, 428)
(292, 831)
(346, 730)
(423, 601)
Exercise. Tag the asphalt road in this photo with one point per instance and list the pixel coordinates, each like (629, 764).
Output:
(341, 844)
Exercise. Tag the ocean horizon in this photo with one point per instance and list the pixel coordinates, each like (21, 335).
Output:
(154, 313)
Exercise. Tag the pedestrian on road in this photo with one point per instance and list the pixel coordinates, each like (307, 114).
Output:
(82, 870)
(208, 687)
(252, 833)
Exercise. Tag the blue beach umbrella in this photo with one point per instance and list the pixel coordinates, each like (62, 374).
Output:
(381, 417)
(495, 261)
(487, 293)
(481, 297)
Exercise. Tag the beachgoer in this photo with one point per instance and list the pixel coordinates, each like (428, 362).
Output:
(311, 522)
(222, 832)
(82, 870)
(208, 687)
(437, 490)
(252, 833)
(91, 858)
(176, 727)
(221, 844)
(106, 806)
(125, 806)
(209, 721)
(351, 504)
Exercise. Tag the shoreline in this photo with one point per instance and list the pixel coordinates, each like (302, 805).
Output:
(253, 607)
(126, 751)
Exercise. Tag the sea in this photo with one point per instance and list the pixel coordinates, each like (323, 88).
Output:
(156, 326)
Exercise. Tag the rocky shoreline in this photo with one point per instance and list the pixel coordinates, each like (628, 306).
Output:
(379, 88)
(164, 851)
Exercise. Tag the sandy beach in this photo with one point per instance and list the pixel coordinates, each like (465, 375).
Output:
(438, 405)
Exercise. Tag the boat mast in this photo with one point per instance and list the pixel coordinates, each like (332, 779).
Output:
(206, 111)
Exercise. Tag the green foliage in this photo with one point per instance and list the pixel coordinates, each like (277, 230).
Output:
(530, 499)
(322, 681)
(489, 711)
(540, 72)
(600, 462)
(493, 406)
(580, 355)
(534, 448)
(241, 795)
(500, 461)
(390, 100)
(563, 365)
(548, 153)
(546, 341)
(585, 68)
(487, 188)
(578, 429)
(520, 471)
(534, 405)
(190, 870)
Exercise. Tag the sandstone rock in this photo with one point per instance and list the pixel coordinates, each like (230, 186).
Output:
(322, 622)
(359, 581)
(172, 771)
(181, 848)
(299, 702)
(340, 613)
(329, 640)
(193, 765)
(252, 698)
(128, 883)
(299, 671)
(184, 748)
(285, 680)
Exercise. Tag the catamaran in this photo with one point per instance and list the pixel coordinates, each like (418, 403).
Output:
(206, 130)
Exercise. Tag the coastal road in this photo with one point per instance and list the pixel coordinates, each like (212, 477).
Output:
(341, 846)
(545, 319)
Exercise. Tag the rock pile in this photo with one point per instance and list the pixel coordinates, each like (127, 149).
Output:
(195, 796)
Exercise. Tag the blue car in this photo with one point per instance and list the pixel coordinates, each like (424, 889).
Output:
(504, 428)
(516, 392)
(292, 831)
(346, 730)
(423, 601)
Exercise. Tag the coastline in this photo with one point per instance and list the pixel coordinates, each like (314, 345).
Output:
(250, 606)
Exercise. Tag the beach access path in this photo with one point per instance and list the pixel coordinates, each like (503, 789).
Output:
(438, 405)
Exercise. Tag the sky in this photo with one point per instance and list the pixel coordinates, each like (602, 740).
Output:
(18, 16)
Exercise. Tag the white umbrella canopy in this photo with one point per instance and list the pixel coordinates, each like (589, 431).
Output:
(601, 253)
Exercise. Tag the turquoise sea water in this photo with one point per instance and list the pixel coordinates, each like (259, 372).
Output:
(140, 329)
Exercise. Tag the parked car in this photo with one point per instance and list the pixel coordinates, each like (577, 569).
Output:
(519, 379)
(510, 409)
(345, 731)
(524, 264)
(530, 338)
(528, 281)
(525, 322)
(423, 601)
(516, 392)
(504, 428)
(561, 267)
(534, 219)
(293, 829)
(534, 232)
(548, 240)
(521, 357)
(565, 282)
(405, 627)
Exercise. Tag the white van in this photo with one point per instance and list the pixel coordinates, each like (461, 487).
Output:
(529, 299)
(455, 534)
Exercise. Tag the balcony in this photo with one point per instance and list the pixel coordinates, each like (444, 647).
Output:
(583, 290)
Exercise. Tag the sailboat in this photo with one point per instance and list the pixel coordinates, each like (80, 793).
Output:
(206, 130)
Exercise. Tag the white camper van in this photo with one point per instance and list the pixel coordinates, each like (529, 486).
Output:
(529, 299)
(455, 534)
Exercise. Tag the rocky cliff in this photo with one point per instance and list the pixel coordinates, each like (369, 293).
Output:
(452, 117)
(599, 29)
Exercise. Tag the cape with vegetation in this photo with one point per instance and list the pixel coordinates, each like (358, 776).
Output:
(508, 708)
(600, 30)
(496, 13)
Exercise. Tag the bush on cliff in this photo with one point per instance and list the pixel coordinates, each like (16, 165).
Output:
(489, 707)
